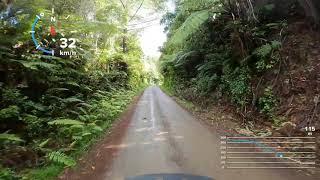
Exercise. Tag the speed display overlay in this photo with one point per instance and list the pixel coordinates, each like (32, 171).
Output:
(57, 44)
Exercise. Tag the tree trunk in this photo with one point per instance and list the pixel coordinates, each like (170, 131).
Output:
(312, 9)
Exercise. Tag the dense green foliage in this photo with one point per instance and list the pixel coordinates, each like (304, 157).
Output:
(53, 107)
(221, 48)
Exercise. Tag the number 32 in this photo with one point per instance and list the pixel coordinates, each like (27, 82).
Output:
(65, 41)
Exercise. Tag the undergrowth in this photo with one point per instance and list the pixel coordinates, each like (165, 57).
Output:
(214, 51)
(75, 136)
(53, 107)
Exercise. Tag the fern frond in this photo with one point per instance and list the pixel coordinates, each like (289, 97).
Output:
(10, 137)
(81, 109)
(61, 158)
(190, 26)
(84, 105)
(77, 126)
(95, 127)
(9, 112)
(36, 65)
(86, 134)
(48, 57)
(57, 90)
(185, 58)
(41, 145)
(71, 83)
(266, 49)
(263, 51)
(86, 88)
(167, 60)
(73, 112)
(72, 100)
(65, 122)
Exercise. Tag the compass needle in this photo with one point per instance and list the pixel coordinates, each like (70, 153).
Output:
(53, 31)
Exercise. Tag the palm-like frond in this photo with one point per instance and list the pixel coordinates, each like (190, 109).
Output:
(190, 26)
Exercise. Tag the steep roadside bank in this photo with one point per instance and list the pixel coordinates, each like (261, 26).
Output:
(98, 159)
(225, 121)
(257, 66)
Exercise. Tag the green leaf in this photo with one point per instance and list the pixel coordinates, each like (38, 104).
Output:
(61, 158)
(97, 128)
(71, 83)
(77, 126)
(264, 50)
(84, 105)
(41, 145)
(275, 44)
(10, 137)
(72, 100)
(86, 134)
(36, 65)
(65, 122)
(190, 26)
(57, 90)
(269, 7)
(10, 112)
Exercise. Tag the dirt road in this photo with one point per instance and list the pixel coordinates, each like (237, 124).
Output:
(164, 138)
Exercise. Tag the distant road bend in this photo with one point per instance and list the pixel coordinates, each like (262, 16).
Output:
(164, 138)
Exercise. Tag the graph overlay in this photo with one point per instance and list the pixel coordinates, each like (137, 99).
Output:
(268, 152)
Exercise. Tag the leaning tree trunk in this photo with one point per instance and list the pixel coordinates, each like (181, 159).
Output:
(312, 9)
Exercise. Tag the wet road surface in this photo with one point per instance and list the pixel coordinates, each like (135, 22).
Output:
(165, 138)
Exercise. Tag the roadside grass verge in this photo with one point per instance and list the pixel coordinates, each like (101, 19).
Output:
(180, 100)
(74, 142)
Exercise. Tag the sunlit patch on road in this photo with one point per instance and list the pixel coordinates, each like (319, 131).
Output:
(178, 137)
(160, 139)
(143, 129)
(147, 143)
(120, 146)
(162, 133)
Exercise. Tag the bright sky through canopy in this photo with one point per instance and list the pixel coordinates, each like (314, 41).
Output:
(151, 39)
(152, 36)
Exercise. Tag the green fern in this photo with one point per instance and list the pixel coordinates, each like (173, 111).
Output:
(267, 55)
(9, 112)
(61, 158)
(77, 126)
(57, 90)
(86, 88)
(95, 128)
(10, 137)
(72, 100)
(84, 105)
(65, 122)
(185, 58)
(72, 112)
(190, 26)
(71, 83)
(267, 49)
(36, 65)
(264, 50)
(41, 145)
(82, 110)
(86, 134)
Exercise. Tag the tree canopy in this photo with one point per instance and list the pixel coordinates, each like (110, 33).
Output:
(53, 106)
